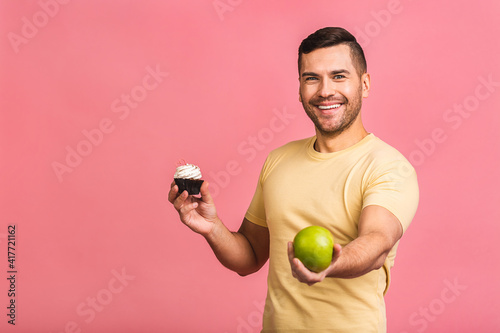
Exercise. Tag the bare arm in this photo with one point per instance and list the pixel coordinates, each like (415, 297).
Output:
(244, 252)
(378, 232)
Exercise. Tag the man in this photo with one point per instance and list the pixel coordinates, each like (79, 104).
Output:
(344, 179)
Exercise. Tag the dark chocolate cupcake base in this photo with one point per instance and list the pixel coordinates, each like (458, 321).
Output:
(191, 185)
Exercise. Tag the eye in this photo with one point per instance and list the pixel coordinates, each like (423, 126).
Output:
(310, 78)
(338, 77)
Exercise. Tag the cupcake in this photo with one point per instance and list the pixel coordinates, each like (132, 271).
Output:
(188, 177)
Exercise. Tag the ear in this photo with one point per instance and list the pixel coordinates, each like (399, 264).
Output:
(366, 83)
(300, 96)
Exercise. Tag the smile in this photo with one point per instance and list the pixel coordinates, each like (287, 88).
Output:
(328, 107)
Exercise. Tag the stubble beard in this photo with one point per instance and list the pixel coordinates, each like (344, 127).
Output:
(352, 110)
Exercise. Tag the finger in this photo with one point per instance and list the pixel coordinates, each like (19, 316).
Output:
(187, 207)
(290, 258)
(180, 200)
(173, 193)
(205, 193)
(305, 275)
(291, 253)
(300, 271)
(293, 267)
(337, 251)
(300, 268)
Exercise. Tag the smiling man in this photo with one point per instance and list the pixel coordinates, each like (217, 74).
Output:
(344, 179)
(331, 89)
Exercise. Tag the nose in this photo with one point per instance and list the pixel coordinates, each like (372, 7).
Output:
(326, 88)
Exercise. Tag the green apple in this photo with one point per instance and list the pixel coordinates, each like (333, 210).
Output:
(313, 246)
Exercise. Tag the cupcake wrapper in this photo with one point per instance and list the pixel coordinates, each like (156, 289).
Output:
(190, 185)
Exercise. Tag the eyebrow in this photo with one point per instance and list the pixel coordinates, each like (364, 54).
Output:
(334, 72)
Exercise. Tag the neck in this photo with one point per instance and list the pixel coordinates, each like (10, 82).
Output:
(330, 143)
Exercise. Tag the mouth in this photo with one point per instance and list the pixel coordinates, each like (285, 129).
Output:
(329, 107)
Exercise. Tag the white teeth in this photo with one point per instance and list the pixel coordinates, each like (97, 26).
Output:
(328, 107)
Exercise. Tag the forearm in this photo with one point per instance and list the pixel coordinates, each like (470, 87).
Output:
(360, 256)
(378, 231)
(232, 249)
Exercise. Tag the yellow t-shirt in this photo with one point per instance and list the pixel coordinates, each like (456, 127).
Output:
(299, 187)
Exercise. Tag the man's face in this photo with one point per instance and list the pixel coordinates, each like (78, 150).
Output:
(331, 89)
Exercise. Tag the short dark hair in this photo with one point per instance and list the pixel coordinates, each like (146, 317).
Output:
(331, 36)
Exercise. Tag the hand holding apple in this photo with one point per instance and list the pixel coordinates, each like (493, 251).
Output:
(312, 254)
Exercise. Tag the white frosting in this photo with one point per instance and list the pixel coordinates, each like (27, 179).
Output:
(188, 171)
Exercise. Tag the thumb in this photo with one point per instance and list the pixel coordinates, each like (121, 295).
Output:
(337, 250)
(205, 193)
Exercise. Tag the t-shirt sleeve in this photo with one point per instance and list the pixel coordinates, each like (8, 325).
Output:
(394, 186)
(256, 212)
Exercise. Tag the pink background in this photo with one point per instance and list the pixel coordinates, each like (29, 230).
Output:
(225, 94)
